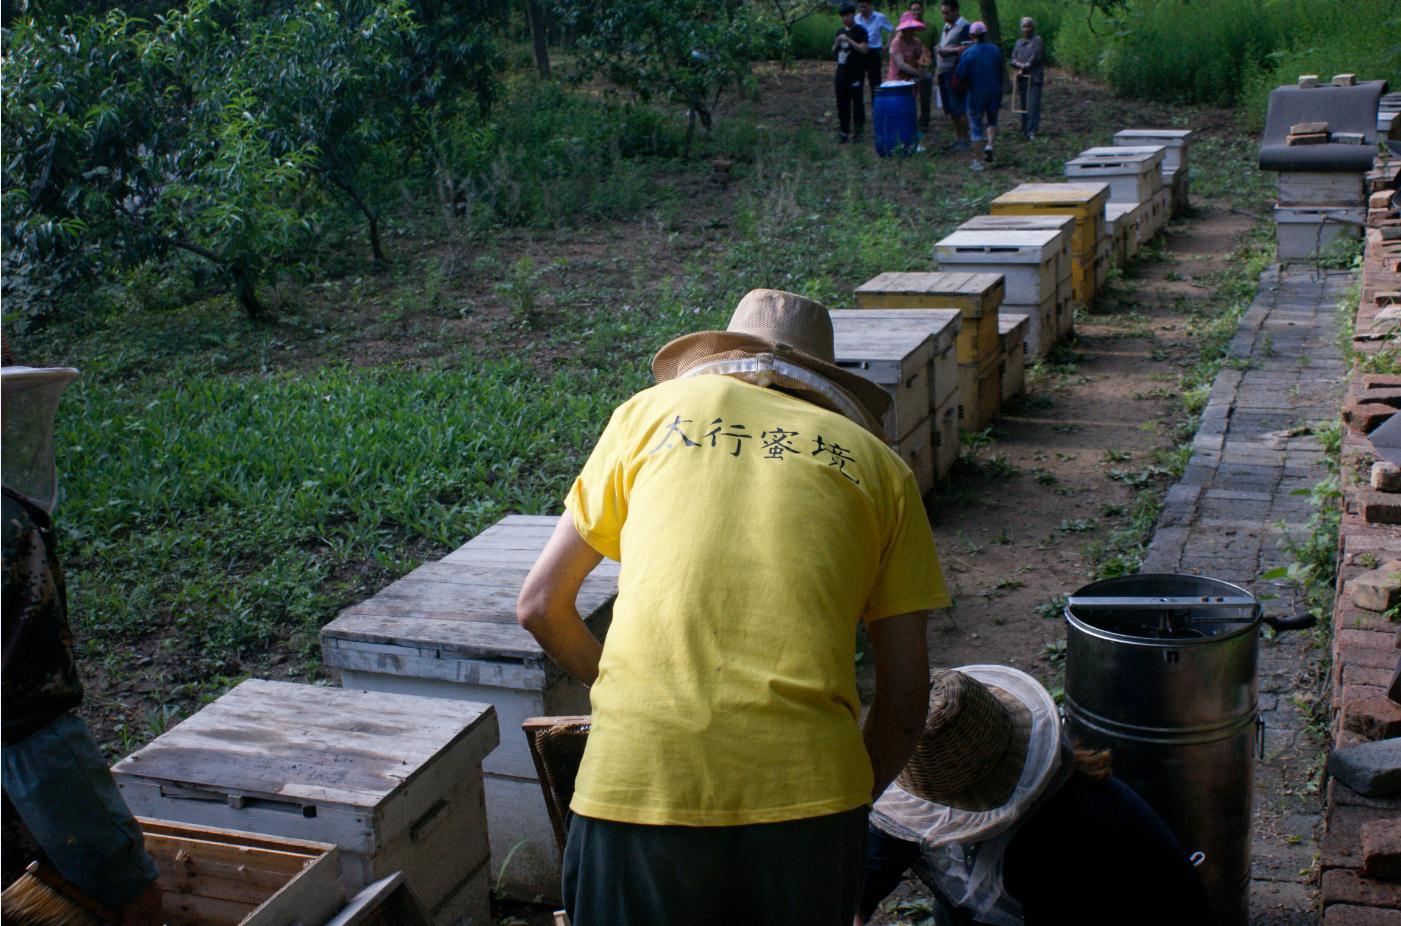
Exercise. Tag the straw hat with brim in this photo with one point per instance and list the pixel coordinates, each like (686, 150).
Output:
(789, 329)
(974, 744)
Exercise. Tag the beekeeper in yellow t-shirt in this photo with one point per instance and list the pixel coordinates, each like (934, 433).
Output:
(758, 516)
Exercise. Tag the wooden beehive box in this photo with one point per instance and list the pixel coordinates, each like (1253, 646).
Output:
(1157, 154)
(1102, 264)
(1132, 178)
(448, 630)
(917, 450)
(1121, 221)
(976, 296)
(1082, 201)
(981, 397)
(1308, 232)
(218, 877)
(393, 780)
(1013, 327)
(1179, 185)
(1083, 275)
(1304, 188)
(1162, 210)
(1061, 223)
(1026, 258)
(1177, 142)
(943, 425)
(897, 354)
(943, 326)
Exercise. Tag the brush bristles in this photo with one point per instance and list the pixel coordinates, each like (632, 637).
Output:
(30, 901)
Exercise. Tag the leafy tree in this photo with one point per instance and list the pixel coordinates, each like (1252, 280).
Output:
(686, 51)
(113, 159)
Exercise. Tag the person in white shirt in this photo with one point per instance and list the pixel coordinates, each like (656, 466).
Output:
(874, 23)
(954, 39)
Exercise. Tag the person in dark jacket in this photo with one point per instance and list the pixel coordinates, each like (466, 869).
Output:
(851, 48)
(1009, 825)
(1029, 59)
(61, 806)
(980, 72)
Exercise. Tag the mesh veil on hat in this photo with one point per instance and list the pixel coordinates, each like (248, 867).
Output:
(974, 744)
(28, 401)
(789, 329)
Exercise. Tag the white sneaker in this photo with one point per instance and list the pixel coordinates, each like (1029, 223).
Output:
(976, 165)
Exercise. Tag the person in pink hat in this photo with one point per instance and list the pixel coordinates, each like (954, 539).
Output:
(909, 59)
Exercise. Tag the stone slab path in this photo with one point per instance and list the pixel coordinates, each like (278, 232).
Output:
(1228, 518)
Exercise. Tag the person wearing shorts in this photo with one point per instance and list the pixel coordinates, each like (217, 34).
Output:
(952, 41)
(980, 72)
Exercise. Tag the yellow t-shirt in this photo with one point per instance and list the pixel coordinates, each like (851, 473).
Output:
(755, 530)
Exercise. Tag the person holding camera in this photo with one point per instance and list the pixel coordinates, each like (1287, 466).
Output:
(851, 46)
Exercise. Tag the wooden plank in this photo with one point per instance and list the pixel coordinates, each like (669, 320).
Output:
(307, 848)
(448, 601)
(495, 575)
(932, 284)
(1308, 128)
(387, 902)
(311, 897)
(426, 663)
(193, 910)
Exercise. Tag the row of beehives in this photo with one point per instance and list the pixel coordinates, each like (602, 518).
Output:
(401, 769)
(951, 346)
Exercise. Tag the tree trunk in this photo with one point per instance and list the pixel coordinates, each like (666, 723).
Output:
(989, 14)
(371, 217)
(539, 35)
(247, 293)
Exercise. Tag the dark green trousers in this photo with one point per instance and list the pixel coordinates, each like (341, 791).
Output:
(796, 873)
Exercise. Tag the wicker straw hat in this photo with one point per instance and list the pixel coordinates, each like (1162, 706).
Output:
(786, 340)
(974, 744)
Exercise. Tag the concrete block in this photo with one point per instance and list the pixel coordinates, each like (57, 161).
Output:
(1378, 589)
(1386, 477)
(1381, 849)
(1371, 769)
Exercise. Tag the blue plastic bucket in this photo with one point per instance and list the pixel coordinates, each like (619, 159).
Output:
(895, 118)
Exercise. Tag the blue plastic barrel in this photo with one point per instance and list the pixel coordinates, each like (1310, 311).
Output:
(895, 118)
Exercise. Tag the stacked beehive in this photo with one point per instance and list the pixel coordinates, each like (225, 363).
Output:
(1135, 179)
(1029, 261)
(1316, 209)
(912, 354)
(1084, 202)
(1065, 311)
(977, 297)
(1176, 165)
(448, 630)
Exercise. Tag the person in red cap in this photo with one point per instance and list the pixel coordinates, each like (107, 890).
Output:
(760, 519)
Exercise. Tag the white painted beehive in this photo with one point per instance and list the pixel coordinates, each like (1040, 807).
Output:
(1064, 224)
(897, 355)
(1028, 260)
(1312, 188)
(1308, 232)
(1132, 178)
(394, 781)
(1178, 143)
(448, 630)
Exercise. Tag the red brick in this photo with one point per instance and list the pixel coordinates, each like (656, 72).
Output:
(1378, 507)
(1349, 616)
(1381, 849)
(1366, 416)
(1365, 648)
(1366, 675)
(1349, 915)
(1341, 885)
(1376, 718)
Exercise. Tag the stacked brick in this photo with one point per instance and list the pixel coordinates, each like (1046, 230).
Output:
(1360, 855)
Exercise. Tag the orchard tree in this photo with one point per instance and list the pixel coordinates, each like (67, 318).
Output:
(687, 51)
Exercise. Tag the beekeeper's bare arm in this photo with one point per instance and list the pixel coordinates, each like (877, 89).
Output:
(897, 714)
(547, 605)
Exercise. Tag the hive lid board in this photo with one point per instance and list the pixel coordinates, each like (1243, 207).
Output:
(1011, 322)
(1062, 223)
(934, 283)
(1171, 137)
(1155, 153)
(313, 744)
(1040, 239)
(1056, 194)
(943, 324)
(464, 605)
(858, 340)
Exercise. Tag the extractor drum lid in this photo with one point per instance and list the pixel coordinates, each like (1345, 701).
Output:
(1158, 607)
